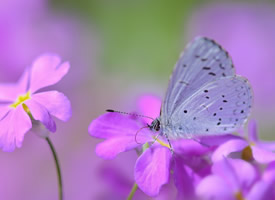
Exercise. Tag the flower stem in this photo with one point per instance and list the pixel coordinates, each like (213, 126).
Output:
(60, 189)
(135, 186)
(133, 191)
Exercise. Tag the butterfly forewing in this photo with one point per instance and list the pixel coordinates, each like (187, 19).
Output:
(203, 61)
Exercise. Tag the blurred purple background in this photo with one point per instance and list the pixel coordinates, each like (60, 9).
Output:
(118, 52)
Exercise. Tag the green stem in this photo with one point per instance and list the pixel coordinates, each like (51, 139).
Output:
(133, 191)
(135, 186)
(60, 189)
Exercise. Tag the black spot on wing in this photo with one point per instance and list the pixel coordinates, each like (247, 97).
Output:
(212, 73)
(206, 68)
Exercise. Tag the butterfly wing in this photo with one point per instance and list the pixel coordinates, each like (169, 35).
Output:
(203, 61)
(220, 106)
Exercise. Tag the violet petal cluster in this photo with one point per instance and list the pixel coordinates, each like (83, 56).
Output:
(212, 167)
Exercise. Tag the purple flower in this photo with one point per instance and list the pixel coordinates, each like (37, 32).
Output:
(152, 169)
(196, 165)
(230, 179)
(20, 102)
(264, 188)
(249, 149)
(119, 133)
(237, 179)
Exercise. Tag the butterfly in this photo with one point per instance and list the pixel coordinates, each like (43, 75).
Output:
(204, 95)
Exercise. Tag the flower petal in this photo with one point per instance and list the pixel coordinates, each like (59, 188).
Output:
(226, 171)
(215, 188)
(149, 105)
(9, 92)
(183, 179)
(152, 169)
(246, 172)
(267, 145)
(230, 146)
(269, 174)
(261, 190)
(4, 109)
(112, 125)
(110, 148)
(39, 112)
(13, 128)
(47, 70)
(264, 189)
(216, 140)
(189, 147)
(261, 155)
(56, 103)
(238, 173)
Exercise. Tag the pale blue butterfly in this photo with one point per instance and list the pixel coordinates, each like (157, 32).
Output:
(204, 95)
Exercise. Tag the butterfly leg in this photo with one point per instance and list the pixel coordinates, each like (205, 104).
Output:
(170, 146)
(155, 138)
(169, 143)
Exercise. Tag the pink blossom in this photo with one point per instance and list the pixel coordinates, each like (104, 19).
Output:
(21, 103)
(152, 169)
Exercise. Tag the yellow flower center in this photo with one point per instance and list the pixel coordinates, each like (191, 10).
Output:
(239, 196)
(21, 99)
(247, 154)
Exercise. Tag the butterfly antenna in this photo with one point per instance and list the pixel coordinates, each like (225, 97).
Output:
(138, 132)
(132, 114)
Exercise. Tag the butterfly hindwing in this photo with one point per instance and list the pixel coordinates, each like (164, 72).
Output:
(220, 106)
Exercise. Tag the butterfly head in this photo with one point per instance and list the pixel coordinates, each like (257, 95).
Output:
(155, 125)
